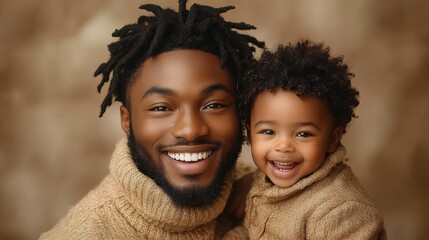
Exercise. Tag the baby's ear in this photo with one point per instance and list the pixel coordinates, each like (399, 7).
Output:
(335, 139)
(247, 129)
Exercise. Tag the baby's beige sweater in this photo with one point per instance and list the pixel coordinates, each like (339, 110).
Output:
(129, 205)
(328, 204)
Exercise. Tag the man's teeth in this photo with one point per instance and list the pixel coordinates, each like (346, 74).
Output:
(189, 157)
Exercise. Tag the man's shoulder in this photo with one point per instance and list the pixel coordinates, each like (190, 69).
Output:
(104, 194)
(84, 219)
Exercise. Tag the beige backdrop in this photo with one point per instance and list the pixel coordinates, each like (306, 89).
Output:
(54, 148)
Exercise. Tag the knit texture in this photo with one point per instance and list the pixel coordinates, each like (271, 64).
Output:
(328, 204)
(129, 205)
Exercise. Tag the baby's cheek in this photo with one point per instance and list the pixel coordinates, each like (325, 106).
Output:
(259, 150)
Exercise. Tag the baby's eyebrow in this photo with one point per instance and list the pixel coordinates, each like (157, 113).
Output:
(300, 124)
(309, 124)
(262, 122)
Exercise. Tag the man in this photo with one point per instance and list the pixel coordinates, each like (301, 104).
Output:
(175, 74)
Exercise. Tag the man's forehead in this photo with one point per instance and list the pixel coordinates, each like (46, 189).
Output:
(182, 64)
(179, 57)
(182, 71)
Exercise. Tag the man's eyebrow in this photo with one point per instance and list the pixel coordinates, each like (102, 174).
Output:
(159, 90)
(215, 87)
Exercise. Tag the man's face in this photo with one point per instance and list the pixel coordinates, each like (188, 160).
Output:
(182, 125)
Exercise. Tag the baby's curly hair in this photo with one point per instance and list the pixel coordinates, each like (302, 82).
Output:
(306, 69)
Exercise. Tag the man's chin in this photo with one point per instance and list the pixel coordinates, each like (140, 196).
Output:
(186, 186)
(189, 195)
(195, 192)
(190, 181)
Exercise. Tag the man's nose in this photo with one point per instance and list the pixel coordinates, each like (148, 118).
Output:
(284, 144)
(190, 125)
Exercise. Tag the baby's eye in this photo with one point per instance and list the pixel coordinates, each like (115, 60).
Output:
(304, 134)
(159, 109)
(267, 132)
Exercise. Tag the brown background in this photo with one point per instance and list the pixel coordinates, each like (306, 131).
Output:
(54, 148)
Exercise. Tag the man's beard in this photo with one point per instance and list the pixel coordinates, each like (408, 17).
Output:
(191, 196)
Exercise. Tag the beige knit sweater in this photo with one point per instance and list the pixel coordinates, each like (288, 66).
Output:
(329, 204)
(129, 205)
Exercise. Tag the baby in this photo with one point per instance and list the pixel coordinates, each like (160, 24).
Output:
(296, 104)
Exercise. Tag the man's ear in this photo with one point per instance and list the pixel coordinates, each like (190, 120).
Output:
(335, 139)
(125, 119)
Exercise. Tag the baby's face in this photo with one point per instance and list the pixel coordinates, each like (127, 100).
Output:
(290, 136)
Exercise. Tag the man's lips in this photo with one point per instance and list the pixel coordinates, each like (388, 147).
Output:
(190, 153)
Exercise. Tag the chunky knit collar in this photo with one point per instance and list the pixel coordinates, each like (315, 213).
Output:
(151, 204)
(272, 193)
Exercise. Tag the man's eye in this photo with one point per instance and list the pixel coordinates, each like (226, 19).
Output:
(304, 134)
(267, 132)
(214, 106)
(159, 109)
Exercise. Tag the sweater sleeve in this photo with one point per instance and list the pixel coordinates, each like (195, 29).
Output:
(349, 220)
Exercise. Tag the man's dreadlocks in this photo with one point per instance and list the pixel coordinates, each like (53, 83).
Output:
(201, 28)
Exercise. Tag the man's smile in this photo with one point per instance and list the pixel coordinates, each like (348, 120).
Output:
(190, 153)
(189, 157)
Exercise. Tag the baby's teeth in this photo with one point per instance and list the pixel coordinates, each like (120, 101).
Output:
(283, 163)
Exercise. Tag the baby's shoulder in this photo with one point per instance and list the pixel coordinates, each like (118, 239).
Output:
(340, 188)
